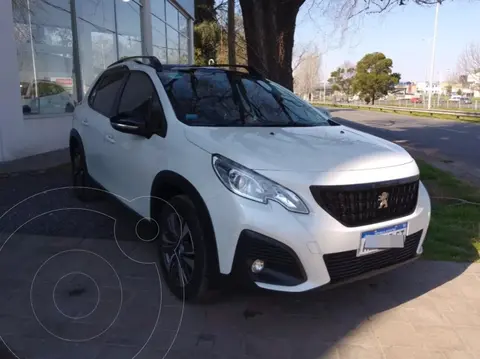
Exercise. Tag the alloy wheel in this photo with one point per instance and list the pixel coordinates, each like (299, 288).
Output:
(178, 250)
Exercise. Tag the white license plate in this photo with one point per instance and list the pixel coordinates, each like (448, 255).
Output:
(383, 238)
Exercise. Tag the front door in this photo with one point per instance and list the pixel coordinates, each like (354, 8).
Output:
(95, 119)
(134, 160)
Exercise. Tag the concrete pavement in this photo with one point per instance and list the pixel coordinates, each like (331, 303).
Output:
(454, 145)
(85, 298)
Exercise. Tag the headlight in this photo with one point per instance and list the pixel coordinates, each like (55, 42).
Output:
(249, 184)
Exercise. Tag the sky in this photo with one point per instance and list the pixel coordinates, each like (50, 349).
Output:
(404, 34)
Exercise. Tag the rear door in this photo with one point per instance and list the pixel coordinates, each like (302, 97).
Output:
(95, 120)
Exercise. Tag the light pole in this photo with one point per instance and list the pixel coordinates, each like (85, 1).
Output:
(432, 64)
(324, 78)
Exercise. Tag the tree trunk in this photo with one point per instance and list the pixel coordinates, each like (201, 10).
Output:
(269, 31)
(373, 99)
(231, 32)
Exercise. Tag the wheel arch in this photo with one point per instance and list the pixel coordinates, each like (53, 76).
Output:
(168, 184)
(75, 140)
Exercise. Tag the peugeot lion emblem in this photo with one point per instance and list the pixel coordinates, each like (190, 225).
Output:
(383, 199)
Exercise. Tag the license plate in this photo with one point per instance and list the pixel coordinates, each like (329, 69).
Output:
(381, 239)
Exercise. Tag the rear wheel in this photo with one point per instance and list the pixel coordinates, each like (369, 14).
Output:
(80, 178)
(183, 251)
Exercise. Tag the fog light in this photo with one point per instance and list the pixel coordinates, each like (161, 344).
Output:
(257, 266)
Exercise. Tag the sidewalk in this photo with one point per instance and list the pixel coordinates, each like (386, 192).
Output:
(84, 298)
(36, 163)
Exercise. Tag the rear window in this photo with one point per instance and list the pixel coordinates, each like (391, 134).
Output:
(217, 97)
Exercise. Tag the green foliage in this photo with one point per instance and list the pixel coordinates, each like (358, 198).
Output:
(459, 92)
(374, 77)
(206, 39)
(342, 79)
(448, 89)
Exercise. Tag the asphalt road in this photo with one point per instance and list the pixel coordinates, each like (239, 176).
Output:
(456, 144)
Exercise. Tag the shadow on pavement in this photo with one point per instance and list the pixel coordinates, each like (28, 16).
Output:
(240, 324)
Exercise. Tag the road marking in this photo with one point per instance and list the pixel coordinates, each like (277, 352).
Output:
(450, 130)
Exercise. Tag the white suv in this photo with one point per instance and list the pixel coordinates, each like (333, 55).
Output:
(264, 185)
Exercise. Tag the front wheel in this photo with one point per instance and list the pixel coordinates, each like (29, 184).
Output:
(183, 251)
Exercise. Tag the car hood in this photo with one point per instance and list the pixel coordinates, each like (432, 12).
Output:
(320, 148)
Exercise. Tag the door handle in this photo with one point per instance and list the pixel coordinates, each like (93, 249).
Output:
(85, 122)
(110, 138)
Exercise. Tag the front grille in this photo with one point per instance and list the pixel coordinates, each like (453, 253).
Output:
(282, 265)
(345, 265)
(359, 205)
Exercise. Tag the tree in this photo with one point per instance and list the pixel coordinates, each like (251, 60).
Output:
(374, 77)
(459, 92)
(207, 31)
(469, 60)
(307, 74)
(240, 43)
(231, 32)
(448, 90)
(270, 27)
(342, 79)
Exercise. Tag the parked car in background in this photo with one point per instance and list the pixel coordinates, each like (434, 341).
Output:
(254, 181)
(324, 112)
(416, 99)
(44, 96)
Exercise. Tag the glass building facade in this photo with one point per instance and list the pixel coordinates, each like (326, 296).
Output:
(62, 45)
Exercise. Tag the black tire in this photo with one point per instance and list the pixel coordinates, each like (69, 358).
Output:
(184, 252)
(81, 182)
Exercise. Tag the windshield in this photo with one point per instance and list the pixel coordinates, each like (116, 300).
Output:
(217, 97)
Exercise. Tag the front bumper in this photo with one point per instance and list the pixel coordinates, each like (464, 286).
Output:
(323, 249)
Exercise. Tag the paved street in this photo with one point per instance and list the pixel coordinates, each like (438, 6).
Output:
(455, 144)
(85, 298)
(70, 289)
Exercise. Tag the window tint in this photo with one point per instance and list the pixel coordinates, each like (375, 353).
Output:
(216, 97)
(105, 93)
(136, 97)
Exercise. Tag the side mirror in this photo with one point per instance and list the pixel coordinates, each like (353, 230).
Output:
(130, 125)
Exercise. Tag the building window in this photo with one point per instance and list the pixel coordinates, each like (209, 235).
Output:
(128, 28)
(43, 35)
(172, 15)
(159, 39)
(158, 8)
(171, 39)
(96, 38)
(172, 46)
(106, 30)
(183, 50)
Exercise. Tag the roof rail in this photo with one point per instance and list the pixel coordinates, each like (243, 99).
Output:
(153, 61)
(250, 69)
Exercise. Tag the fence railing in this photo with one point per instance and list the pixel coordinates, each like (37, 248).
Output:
(396, 108)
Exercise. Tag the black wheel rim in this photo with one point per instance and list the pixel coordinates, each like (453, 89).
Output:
(178, 250)
(78, 170)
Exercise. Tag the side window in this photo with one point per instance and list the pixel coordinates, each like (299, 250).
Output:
(105, 92)
(138, 98)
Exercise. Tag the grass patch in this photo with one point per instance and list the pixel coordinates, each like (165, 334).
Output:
(454, 232)
(411, 112)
